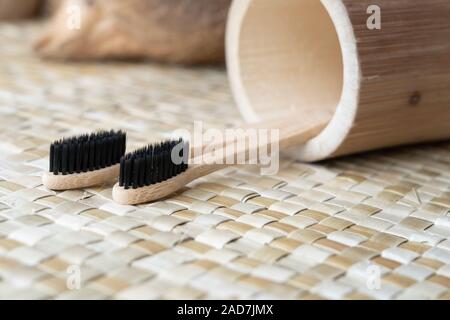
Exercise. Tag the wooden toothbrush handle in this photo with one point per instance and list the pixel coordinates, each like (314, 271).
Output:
(292, 132)
(295, 129)
(163, 189)
(81, 180)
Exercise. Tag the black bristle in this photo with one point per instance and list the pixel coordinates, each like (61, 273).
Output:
(164, 166)
(64, 158)
(56, 159)
(91, 154)
(127, 173)
(72, 157)
(87, 152)
(141, 172)
(122, 170)
(148, 170)
(108, 151)
(79, 157)
(155, 167)
(135, 174)
(54, 153)
(98, 154)
(85, 156)
(52, 159)
(153, 164)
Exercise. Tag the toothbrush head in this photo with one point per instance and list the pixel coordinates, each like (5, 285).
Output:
(153, 164)
(85, 153)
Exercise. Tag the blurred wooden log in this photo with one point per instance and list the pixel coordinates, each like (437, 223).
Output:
(180, 31)
(18, 9)
(50, 7)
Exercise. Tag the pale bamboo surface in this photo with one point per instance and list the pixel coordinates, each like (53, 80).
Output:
(309, 232)
(387, 87)
(81, 180)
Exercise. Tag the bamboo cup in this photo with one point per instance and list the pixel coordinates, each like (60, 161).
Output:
(381, 87)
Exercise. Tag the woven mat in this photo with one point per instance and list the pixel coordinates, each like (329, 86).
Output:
(374, 226)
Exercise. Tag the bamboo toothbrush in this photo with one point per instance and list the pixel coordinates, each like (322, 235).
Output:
(148, 174)
(84, 161)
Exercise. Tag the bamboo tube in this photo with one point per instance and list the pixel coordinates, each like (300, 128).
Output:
(382, 88)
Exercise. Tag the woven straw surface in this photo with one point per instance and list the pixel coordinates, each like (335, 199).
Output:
(312, 231)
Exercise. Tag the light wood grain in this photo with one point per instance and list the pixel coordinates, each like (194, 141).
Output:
(289, 134)
(81, 180)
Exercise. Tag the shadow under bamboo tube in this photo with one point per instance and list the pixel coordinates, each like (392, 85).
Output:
(384, 87)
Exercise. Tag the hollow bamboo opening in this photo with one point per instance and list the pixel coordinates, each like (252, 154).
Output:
(294, 56)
